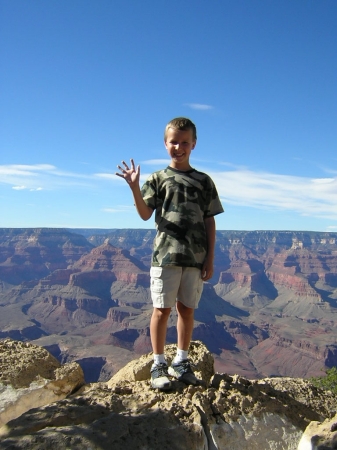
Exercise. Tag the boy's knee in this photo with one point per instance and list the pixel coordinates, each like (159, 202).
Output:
(184, 310)
(161, 312)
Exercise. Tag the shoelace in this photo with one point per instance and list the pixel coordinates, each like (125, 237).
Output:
(186, 367)
(160, 370)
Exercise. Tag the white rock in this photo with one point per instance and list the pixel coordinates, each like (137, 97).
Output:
(319, 435)
(267, 432)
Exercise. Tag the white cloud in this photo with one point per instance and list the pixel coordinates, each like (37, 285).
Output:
(40, 176)
(323, 180)
(110, 210)
(109, 176)
(24, 169)
(262, 190)
(118, 209)
(199, 106)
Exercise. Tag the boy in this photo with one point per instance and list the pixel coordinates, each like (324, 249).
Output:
(185, 202)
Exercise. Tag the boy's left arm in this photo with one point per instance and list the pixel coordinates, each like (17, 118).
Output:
(207, 268)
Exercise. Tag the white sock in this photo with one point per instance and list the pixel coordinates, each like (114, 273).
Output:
(180, 356)
(159, 359)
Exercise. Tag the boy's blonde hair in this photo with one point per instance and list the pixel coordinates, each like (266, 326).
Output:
(181, 123)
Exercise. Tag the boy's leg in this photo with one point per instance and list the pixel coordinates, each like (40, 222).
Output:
(181, 367)
(187, 300)
(159, 370)
(164, 287)
(185, 324)
(158, 327)
(165, 283)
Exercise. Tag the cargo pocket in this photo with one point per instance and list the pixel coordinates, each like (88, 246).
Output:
(198, 291)
(157, 284)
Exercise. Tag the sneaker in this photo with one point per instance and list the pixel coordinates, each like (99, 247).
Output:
(183, 372)
(159, 374)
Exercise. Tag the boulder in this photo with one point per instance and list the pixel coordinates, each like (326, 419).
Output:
(139, 369)
(32, 377)
(320, 436)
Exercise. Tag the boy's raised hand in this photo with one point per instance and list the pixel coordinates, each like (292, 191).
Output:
(130, 174)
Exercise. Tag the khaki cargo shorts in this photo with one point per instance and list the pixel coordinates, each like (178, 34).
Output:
(171, 283)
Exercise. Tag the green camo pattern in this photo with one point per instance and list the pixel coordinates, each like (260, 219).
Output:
(181, 201)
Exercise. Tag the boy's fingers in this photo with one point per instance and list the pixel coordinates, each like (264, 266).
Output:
(206, 274)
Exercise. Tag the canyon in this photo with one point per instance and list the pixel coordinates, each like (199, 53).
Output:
(269, 310)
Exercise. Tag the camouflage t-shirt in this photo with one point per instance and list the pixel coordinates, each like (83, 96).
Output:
(181, 201)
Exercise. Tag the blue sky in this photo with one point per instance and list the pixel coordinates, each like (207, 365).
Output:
(85, 84)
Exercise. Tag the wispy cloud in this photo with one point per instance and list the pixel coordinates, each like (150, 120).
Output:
(262, 190)
(118, 209)
(108, 176)
(40, 177)
(199, 106)
(111, 210)
(23, 170)
(22, 188)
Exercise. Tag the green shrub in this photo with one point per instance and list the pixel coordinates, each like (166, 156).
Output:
(328, 382)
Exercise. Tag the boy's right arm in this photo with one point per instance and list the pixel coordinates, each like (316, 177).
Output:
(131, 176)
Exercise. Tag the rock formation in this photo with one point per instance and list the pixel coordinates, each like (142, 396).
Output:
(31, 254)
(222, 412)
(31, 377)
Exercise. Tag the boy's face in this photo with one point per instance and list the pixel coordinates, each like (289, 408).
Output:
(179, 144)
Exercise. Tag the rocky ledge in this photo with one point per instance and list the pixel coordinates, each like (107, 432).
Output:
(31, 377)
(222, 412)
